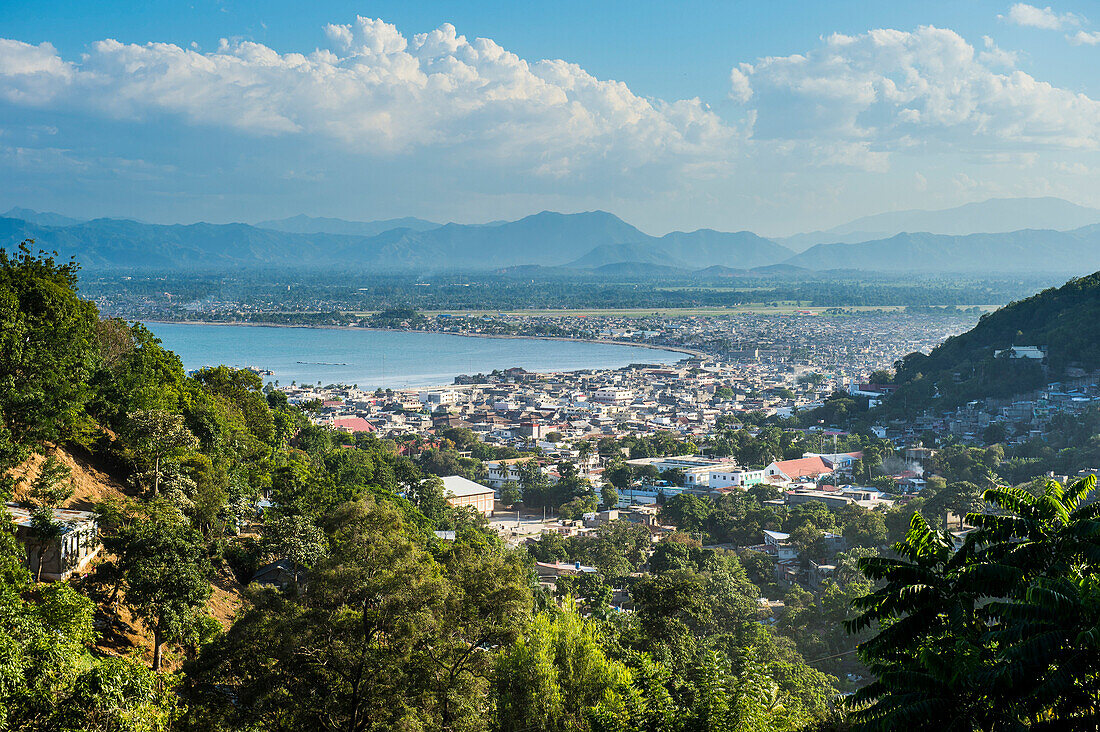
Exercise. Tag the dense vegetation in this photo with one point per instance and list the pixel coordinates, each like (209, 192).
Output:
(1063, 320)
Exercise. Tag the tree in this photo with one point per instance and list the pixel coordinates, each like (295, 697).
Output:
(167, 578)
(46, 531)
(609, 496)
(47, 351)
(947, 654)
(353, 652)
(52, 486)
(510, 493)
(555, 675)
(293, 537)
(957, 498)
(675, 476)
(487, 603)
(928, 649)
(535, 483)
(157, 435)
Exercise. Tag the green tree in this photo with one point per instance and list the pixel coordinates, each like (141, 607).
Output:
(47, 351)
(487, 603)
(557, 676)
(293, 537)
(159, 436)
(352, 652)
(167, 578)
(609, 496)
(510, 493)
(52, 486)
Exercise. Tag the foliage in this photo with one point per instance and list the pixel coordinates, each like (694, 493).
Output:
(999, 634)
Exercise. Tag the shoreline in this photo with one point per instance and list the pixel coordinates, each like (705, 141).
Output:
(653, 347)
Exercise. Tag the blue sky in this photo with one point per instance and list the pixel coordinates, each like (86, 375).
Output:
(777, 117)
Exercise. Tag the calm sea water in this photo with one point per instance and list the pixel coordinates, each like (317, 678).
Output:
(390, 359)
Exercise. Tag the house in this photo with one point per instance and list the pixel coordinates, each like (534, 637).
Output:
(778, 544)
(504, 471)
(462, 492)
(351, 425)
(801, 469)
(549, 570)
(819, 573)
(69, 552)
(279, 574)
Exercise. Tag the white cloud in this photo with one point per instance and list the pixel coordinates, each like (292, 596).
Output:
(891, 89)
(377, 92)
(994, 55)
(1045, 18)
(1085, 38)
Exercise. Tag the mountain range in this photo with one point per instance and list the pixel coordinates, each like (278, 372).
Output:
(303, 224)
(994, 216)
(595, 241)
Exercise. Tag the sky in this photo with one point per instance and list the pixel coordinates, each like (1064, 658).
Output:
(778, 117)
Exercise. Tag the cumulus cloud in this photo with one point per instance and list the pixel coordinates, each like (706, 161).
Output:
(1085, 38)
(1045, 18)
(375, 91)
(891, 89)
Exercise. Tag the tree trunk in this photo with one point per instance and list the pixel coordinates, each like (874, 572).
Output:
(157, 645)
(156, 475)
(38, 571)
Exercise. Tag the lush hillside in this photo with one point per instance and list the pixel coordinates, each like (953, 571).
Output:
(1065, 320)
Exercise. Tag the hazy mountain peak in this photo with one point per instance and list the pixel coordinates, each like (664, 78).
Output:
(993, 216)
(42, 218)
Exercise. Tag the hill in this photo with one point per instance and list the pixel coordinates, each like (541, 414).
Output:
(737, 250)
(546, 238)
(997, 215)
(610, 254)
(1064, 320)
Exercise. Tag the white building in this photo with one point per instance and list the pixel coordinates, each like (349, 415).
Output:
(504, 471)
(437, 398)
(733, 477)
(613, 395)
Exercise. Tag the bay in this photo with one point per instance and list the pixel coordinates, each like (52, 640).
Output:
(388, 359)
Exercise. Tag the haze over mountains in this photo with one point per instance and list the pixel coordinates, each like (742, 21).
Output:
(995, 216)
(1054, 237)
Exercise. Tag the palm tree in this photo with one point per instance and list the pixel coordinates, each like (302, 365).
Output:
(1003, 633)
(927, 653)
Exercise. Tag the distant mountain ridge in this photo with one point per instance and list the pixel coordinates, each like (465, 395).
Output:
(303, 224)
(593, 241)
(43, 218)
(1015, 251)
(994, 216)
(547, 238)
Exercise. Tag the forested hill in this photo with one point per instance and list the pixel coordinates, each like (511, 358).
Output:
(1064, 320)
